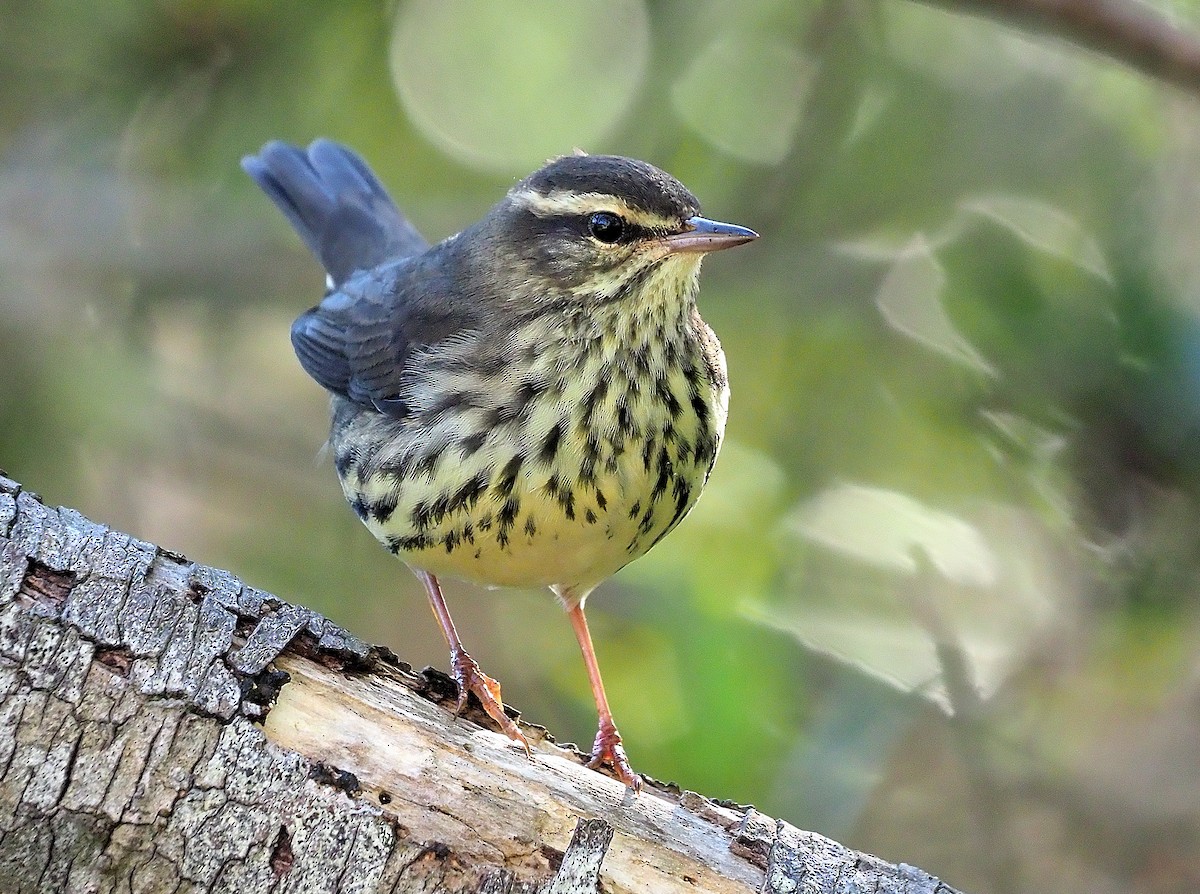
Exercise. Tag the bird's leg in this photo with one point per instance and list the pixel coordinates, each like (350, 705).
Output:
(465, 669)
(607, 748)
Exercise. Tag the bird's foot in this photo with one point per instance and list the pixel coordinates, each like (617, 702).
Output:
(607, 751)
(471, 679)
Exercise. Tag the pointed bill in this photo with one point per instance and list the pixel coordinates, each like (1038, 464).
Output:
(708, 235)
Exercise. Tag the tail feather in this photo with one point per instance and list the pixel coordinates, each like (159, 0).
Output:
(336, 204)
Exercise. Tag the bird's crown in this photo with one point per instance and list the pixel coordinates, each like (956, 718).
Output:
(577, 184)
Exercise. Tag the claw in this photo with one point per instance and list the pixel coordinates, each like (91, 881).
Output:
(607, 751)
(471, 679)
(466, 672)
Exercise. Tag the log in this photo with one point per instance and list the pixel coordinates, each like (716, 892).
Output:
(166, 728)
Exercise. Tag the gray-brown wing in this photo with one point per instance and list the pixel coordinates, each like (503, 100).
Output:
(360, 340)
(388, 298)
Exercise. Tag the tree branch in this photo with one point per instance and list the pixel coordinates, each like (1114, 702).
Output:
(1130, 32)
(168, 728)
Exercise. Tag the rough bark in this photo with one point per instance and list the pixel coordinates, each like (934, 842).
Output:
(166, 728)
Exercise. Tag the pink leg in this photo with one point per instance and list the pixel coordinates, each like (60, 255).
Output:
(466, 671)
(607, 748)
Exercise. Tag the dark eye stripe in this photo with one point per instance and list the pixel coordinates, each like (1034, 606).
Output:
(576, 226)
(631, 231)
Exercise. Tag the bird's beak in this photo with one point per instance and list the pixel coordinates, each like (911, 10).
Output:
(708, 235)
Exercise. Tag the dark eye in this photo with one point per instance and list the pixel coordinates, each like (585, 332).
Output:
(606, 227)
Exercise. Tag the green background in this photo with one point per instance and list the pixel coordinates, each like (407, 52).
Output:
(940, 598)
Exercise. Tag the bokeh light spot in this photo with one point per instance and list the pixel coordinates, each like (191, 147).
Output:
(745, 94)
(505, 86)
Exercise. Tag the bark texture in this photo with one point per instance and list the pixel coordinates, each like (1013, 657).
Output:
(166, 728)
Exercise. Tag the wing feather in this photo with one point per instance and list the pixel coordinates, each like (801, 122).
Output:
(391, 295)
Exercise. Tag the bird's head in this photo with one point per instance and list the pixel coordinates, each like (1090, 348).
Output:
(599, 228)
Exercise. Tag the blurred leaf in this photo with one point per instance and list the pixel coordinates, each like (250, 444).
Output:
(986, 590)
(1043, 227)
(910, 299)
(894, 531)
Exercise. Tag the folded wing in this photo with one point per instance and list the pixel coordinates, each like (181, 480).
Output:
(386, 299)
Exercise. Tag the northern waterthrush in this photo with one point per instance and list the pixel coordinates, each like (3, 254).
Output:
(532, 402)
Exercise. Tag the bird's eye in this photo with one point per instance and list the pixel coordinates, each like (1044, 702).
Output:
(606, 227)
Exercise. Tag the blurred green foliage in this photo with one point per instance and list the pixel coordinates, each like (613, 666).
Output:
(940, 598)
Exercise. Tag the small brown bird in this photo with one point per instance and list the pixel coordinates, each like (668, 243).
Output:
(532, 402)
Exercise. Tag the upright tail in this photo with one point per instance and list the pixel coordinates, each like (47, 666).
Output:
(337, 205)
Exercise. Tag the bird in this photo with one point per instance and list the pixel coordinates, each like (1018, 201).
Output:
(532, 402)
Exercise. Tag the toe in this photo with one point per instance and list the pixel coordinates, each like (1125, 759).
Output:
(608, 752)
(472, 680)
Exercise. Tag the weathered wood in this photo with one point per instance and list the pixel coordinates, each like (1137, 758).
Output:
(166, 728)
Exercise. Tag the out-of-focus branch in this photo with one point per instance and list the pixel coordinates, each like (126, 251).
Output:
(1129, 31)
